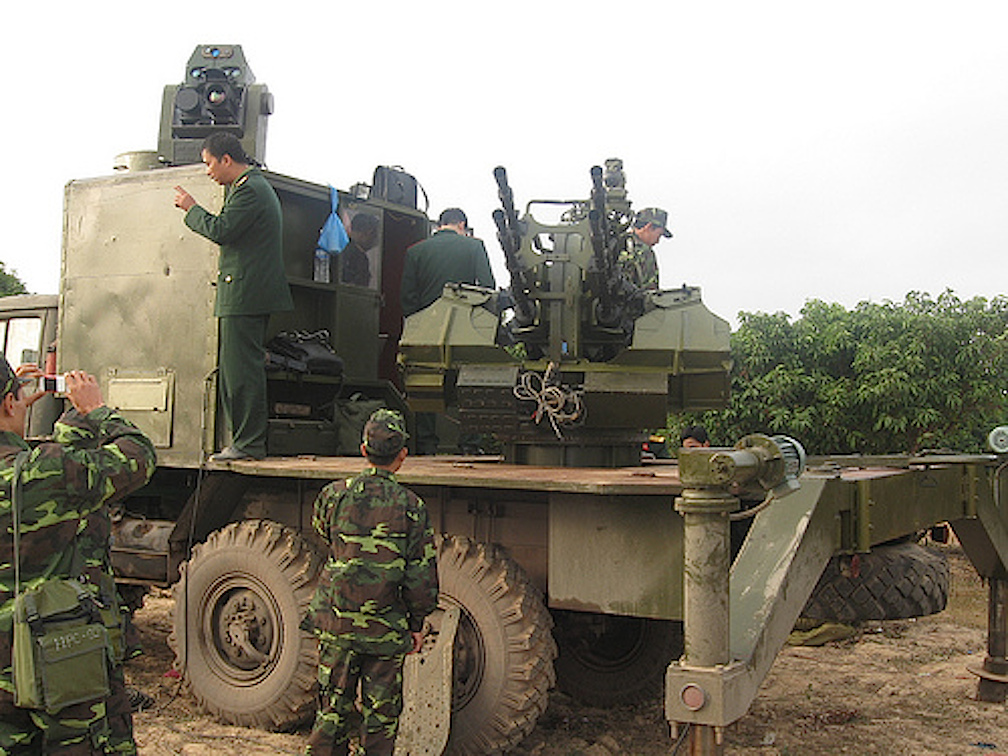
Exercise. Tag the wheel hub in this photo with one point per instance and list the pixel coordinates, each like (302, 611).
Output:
(245, 630)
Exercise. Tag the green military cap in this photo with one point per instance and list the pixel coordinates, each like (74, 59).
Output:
(9, 379)
(655, 216)
(385, 433)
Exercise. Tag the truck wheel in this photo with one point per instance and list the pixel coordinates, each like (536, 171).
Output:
(894, 581)
(504, 651)
(608, 660)
(238, 604)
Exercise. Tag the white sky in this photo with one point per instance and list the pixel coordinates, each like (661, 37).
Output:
(841, 151)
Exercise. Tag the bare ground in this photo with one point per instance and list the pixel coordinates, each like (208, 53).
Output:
(899, 688)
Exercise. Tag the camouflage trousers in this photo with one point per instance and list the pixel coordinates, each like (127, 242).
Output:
(344, 677)
(79, 730)
(120, 716)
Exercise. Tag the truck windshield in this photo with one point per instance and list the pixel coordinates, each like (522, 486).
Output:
(21, 338)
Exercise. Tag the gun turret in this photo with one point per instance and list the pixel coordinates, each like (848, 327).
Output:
(582, 359)
(509, 236)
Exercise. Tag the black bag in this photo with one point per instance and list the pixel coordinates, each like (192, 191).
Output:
(303, 352)
(393, 184)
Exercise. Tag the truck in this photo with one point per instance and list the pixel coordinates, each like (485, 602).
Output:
(563, 560)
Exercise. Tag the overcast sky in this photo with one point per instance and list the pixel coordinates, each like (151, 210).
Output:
(840, 151)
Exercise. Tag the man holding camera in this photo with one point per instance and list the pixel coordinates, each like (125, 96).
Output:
(61, 485)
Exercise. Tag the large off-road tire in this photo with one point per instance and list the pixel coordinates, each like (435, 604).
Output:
(238, 604)
(894, 581)
(609, 660)
(504, 650)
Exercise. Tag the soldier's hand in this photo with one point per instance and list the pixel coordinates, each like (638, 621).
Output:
(31, 370)
(417, 642)
(83, 391)
(183, 199)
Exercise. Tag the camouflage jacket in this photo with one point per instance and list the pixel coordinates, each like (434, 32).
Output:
(638, 261)
(94, 536)
(380, 580)
(62, 484)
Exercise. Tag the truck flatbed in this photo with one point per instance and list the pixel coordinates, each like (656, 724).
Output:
(476, 472)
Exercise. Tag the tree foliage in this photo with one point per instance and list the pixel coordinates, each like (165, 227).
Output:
(10, 283)
(922, 374)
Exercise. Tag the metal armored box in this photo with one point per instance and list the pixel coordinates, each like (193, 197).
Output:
(136, 302)
(138, 291)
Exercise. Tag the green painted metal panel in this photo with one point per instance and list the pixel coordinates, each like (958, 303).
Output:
(615, 554)
(138, 293)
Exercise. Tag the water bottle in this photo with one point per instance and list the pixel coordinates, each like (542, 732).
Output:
(321, 274)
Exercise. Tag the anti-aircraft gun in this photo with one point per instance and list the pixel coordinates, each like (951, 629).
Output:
(570, 364)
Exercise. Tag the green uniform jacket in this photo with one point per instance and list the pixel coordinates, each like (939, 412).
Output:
(61, 486)
(446, 257)
(380, 580)
(249, 230)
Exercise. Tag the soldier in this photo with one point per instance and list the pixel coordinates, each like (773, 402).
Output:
(451, 255)
(694, 437)
(250, 285)
(638, 258)
(378, 586)
(61, 485)
(354, 266)
(94, 543)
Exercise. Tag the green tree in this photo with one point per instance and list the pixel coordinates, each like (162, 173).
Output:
(922, 374)
(10, 283)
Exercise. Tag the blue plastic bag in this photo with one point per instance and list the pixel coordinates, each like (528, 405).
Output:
(334, 236)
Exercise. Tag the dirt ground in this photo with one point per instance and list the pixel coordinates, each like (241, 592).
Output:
(899, 688)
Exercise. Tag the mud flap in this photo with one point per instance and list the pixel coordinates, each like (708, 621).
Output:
(427, 690)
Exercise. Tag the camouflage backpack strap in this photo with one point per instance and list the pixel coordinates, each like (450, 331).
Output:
(19, 461)
(84, 598)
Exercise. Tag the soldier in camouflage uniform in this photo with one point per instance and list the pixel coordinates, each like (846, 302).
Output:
(94, 542)
(61, 486)
(638, 258)
(378, 586)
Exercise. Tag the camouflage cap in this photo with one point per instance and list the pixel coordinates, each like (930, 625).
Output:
(9, 379)
(385, 433)
(656, 216)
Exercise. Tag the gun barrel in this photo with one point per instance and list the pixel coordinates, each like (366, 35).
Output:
(508, 235)
(597, 221)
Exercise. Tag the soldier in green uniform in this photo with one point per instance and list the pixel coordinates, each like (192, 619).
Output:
(250, 285)
(451, 255)
(638, 258)
(61, 486)
(378, 586)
